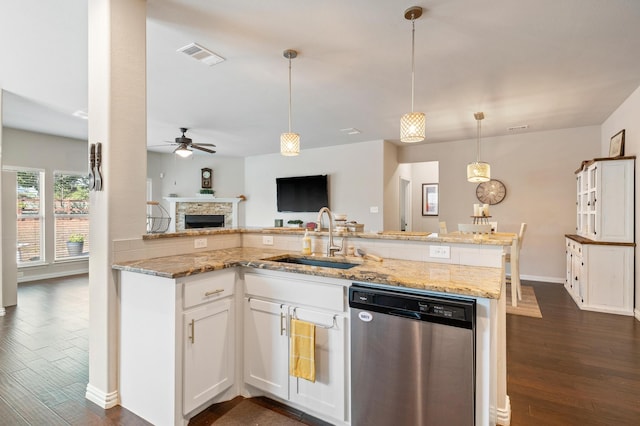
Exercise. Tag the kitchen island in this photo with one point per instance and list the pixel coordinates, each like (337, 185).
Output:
(165, 288)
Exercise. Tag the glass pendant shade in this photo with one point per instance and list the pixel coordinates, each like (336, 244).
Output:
(412, 127)
(289, 144)
(478, 172)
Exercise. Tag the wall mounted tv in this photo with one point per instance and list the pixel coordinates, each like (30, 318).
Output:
(302, 193)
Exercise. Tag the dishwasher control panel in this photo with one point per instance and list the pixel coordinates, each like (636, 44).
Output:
(413, 306)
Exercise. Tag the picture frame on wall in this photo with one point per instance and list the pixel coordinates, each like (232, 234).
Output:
(430, 199)
(616, 145)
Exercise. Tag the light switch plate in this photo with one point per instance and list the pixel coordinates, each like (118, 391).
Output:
(200, 243)
(442, 252)
(267, 240)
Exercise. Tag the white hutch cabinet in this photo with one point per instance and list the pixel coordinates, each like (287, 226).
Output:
(600, 257)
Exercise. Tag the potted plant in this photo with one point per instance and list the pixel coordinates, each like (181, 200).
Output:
(75, 244)
(294, 223)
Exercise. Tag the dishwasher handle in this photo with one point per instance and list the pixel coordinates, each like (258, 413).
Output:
(405, 314)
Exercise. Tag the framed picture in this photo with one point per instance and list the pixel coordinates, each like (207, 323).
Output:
(429, 199)
(616, 145)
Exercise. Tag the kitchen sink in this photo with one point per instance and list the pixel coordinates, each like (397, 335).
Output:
(322, 263)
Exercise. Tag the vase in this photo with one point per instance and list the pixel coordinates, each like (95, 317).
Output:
(75, 248)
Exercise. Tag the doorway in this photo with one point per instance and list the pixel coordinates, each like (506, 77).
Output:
(405, 204)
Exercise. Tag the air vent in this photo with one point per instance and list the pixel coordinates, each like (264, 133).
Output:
(201, 54)
(351, 131)
(521, 127)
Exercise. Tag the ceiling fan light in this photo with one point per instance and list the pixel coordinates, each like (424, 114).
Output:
(289, 144)
(183, 151)
(412, 127)
(478, 172)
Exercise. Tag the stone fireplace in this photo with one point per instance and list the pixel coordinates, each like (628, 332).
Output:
(213, 212)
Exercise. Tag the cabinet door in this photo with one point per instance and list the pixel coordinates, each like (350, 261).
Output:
(266, 346)
(327, 394)
(578, 280)
(568, 281)
(609, 277)
(208, 353)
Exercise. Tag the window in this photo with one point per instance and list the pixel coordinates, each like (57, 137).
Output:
(30, 229)
(71, 215)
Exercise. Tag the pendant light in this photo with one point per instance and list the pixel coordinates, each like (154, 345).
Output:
(412, 125)
(478, 171)
(290, 142)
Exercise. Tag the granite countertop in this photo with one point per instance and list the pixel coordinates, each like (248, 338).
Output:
(477, 281)
(496, 239)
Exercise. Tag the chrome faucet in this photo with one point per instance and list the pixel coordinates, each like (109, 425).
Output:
(331, 247)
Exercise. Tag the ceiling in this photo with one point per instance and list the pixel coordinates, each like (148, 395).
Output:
(547, 64)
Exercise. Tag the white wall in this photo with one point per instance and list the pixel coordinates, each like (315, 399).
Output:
(51, 153)
(355, 182)
(626, 117)
(427, 172)
(182, 176)
(538, 170)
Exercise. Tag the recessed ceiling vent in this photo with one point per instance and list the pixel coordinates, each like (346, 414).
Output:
(201, 54)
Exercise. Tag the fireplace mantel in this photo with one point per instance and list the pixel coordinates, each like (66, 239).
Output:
(173, 201)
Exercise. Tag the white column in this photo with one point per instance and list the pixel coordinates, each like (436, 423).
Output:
(117, 119)
(2, 249)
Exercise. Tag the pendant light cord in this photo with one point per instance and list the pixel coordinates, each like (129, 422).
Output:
(478, 147)
(289, 93)
(413, 45)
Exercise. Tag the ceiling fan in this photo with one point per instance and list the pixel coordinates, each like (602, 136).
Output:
(184, 143)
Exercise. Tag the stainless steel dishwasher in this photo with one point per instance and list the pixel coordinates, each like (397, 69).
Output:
(412, 358)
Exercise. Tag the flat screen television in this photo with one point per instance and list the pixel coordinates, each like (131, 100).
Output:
(302, 193)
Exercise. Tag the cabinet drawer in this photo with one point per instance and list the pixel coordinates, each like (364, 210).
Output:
(296, 291)
(209, 287)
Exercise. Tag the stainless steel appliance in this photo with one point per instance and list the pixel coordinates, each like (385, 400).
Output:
(412, 358)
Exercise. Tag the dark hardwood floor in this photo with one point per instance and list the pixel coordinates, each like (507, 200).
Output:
(570, 367)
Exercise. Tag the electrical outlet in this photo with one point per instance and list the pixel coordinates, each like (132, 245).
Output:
(267, 240)
(200, 243)
(441, 252)
(373, 209)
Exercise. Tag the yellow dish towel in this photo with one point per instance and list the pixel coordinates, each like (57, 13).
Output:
(302, 361)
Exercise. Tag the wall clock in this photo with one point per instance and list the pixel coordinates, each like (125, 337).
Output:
(206, 175)
(491, 192)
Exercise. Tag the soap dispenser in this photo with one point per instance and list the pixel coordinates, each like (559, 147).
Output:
(306, 243)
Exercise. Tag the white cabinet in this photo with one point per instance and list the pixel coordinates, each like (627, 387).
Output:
(574, 282)
(177, 340)
(600, 265)
(605, 200)
(270, 303)
(600, 276)
(208, 342)
(266, 360)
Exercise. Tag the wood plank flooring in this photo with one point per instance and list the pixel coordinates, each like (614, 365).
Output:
(570, 367)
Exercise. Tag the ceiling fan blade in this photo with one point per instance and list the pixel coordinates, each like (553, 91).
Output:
(193, 145)
(205, 144)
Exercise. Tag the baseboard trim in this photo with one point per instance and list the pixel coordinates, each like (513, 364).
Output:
(101, 399)
(38, 277)
(503, 415)
(636, 313)
(541, 278)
